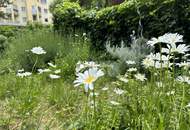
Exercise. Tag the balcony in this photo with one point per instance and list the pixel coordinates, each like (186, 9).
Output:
(15, 7)
(10, 23)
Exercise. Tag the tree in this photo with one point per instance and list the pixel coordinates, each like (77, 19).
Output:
(3, 3)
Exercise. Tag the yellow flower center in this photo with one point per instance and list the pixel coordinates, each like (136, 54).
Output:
(90, 79)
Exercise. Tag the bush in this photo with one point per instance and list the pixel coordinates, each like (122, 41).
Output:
(120, 54)
(136, 52)
(8, 31)
(117, 22)
(67, 14)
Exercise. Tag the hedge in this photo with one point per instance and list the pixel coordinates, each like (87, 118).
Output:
(117, 22)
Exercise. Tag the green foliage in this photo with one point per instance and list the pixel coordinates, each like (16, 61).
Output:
(56, 46)
(120, 54)
(8, 31)
(38, 103)
(117, 22)
(136, 52)
(3, 45)
(70, 14)
(67, 62)
(4, 3)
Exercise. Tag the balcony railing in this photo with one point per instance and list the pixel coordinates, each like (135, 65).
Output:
(9, 23)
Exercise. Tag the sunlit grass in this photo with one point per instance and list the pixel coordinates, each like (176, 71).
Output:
(152, 99)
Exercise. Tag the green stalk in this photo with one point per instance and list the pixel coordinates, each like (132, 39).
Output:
(180, 112)
(160, 61)
(35, 64)
(94, 101)
(86, 108)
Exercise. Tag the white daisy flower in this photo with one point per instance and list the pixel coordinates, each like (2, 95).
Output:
(38, 50)
(84, 34)
(123, 79)
(119, 91)
(153, 41)
(188, 105)
(165, 50)
(105, 88)
(186, 55)
(21, 70)
(79, 67)
(88, 78)
(159, 84)
(158, 57)
(91, 64)
(181, 48)
(170, 93)
(183, 79)
(92, 94)
(171, 38)
(130, 62)
(132, 69)
(184, 64)
(140, 77)
(114, 103)
(51, 65)
(164, 64)
(43, 70)
(53, 76)
(57, 71)
(148, 62)
(24, 74)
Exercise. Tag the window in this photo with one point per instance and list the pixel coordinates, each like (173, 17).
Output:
(23, 9)
(34, 10)
(39, 9)
(43, 1)
(24, 19)
(45, 11)
(46, 20)
(34, 17)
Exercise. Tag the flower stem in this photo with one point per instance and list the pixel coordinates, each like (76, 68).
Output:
(179, 118)
(94, 102)
(35, 64)
(86, 108)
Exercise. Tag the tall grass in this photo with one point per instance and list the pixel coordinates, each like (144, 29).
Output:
(58, 47)
(39, 102)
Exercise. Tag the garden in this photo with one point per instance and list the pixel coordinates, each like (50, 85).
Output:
(98, 67)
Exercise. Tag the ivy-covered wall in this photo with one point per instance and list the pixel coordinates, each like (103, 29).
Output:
(117, 22)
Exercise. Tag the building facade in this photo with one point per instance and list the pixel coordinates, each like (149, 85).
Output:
(24, 11)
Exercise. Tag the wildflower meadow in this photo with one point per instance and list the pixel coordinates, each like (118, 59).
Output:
(54, 80)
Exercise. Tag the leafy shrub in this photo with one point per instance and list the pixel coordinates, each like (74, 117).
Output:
(67, 14)
(135, 52)
(8, 31)
(117, 22)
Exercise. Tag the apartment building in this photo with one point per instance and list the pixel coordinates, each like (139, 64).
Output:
(23, 11)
